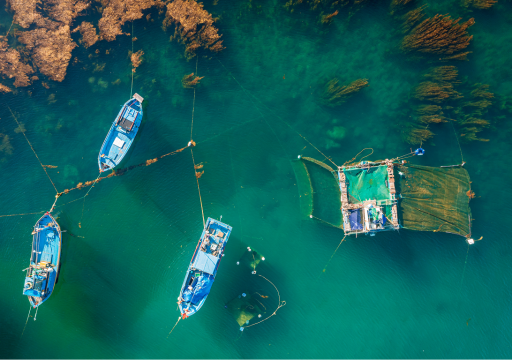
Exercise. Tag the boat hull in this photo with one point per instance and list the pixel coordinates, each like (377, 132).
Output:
(43, 272)
(203, 267)
(121, 134)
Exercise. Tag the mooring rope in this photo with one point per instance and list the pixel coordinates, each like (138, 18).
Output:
(334, 253)
(328, 223)
(457, 138)
(280, 118)
(39, 212)
(198, 188)
(355, 157)
(280, 303)
(174, 327)
(29, 310)
(23, 132)
(197, 175)
(83, 205)
(131, 89)
(464, 269)
(35, 316)
(193, 104)
(8, 31)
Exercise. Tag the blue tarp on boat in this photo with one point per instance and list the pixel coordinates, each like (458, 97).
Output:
(201, 288)
(205, 262)
(355, 220)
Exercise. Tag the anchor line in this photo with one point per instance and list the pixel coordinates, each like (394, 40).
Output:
(23, 132)
(273, 113)
(83, 205)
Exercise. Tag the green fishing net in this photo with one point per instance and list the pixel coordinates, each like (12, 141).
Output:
(246, 307)
(435, 199)
(320, 180)
(367, 184)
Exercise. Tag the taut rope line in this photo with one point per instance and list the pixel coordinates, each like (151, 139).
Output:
(193, 104)
(192, 143)
(23, 132)
(325, 267)
(174, 327)
(275, 114)
(39, 212)
(457, 138)
(29, 310)
(280, 304)
(131, 89)
(83, 205)
(198, 188)
(463, 270)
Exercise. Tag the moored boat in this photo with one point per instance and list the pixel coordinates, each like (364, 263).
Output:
(43, 272)
(121, 134)
(203, 267)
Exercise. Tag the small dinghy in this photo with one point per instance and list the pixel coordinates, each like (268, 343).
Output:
(121, 134)
(43, 272)
(203, 267)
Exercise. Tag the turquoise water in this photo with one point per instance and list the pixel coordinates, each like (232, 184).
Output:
(396, 295)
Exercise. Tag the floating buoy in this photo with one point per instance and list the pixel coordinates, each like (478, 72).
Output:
(298, 157)
(238, 262)
(247, 322)
(241, 328)
(311, 216)
(259, 315)
(244, 294)
(254, 272)
(419, 151)
(262, 258)
(470, 241)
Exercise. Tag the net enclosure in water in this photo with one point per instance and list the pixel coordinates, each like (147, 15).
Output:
(387, 195)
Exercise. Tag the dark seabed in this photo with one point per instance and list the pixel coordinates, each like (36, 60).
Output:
(396, 295)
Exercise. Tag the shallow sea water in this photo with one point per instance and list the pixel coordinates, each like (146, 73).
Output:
(396, 295)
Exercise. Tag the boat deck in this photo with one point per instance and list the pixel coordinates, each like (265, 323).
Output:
(44, 262)
(121, 135)
(203, 266)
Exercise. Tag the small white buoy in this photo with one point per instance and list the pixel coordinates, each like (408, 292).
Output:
(244, 294)
(238, 262)
(298, 157)
(470, 241)
(311, 216)
(259, 315)
(262, 258)
(254, 272)
(249, 249)
(189, 143)
(241, 328)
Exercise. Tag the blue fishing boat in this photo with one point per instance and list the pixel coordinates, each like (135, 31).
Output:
(43, 272)
(203, 267)
(121, 134)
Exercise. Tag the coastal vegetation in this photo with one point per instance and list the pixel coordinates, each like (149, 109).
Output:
(189, 81)
(441, 36)
(41, 41)
(443, 98)
(193, 27)
(334, 94)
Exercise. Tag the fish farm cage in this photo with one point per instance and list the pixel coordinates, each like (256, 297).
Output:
(370, 197)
